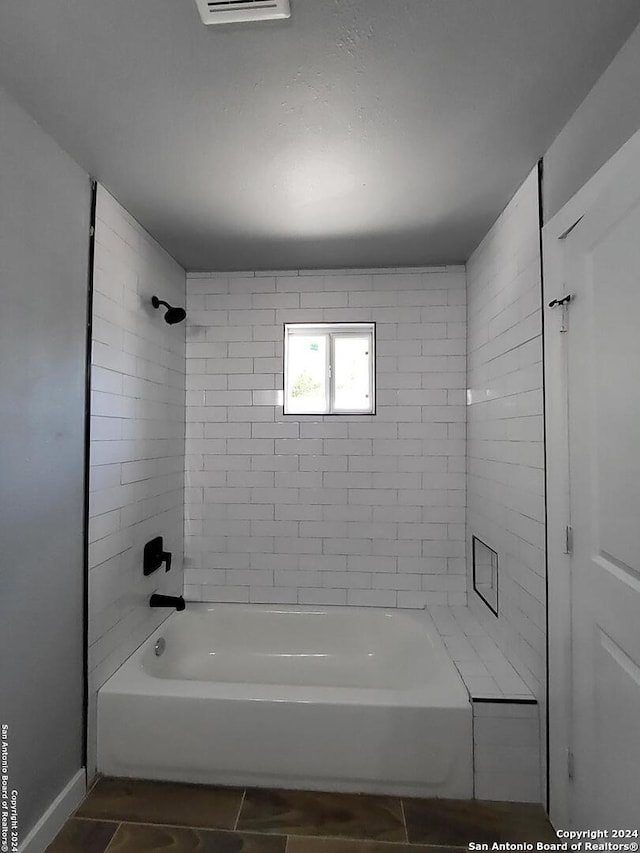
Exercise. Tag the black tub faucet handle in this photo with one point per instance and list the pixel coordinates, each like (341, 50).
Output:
(155, 556)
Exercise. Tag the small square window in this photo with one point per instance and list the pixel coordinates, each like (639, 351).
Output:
(329, 369)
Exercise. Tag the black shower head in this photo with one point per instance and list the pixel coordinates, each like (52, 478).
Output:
(173, 315)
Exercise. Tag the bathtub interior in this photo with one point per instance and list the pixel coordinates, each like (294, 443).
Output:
(288, 645)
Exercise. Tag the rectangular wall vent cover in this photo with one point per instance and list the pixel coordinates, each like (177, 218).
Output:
(234, 11)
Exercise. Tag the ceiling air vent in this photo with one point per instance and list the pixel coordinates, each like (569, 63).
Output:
(233, 11)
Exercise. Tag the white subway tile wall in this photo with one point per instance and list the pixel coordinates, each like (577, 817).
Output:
(360, 510)
(137, 440)
(505, 449)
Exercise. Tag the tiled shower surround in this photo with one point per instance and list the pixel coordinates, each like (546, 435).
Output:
(361, 510)
(506, 505)
(137, 440)
(505, 449)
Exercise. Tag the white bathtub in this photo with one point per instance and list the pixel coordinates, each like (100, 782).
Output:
(343, 698)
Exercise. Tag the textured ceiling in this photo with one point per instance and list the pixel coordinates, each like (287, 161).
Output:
(358, 133)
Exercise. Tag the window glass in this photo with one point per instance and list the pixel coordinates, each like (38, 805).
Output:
(351, 371)
(307, 373)
(329, 368)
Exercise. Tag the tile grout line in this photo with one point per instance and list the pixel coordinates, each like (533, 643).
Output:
(349, 838)
(404, 820)
(112, 837)
(235, 825)
(99, 819)
(169, 825)
(97, 779)
(392, 845)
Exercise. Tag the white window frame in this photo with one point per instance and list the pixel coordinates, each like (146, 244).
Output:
(333, 331)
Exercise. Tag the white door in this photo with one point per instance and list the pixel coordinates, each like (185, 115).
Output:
(602, 268)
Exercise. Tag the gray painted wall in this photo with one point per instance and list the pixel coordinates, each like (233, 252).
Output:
(606, 119)
(44, 225)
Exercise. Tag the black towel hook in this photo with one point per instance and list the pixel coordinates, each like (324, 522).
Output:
(555, 302)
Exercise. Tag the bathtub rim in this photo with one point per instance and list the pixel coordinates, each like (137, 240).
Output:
(446, 690)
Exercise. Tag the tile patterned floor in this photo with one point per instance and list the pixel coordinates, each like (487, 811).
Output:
(130, 816)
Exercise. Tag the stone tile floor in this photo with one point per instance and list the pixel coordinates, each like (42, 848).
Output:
(131, 816)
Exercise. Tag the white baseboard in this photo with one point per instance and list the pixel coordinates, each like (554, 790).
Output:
(52, 821)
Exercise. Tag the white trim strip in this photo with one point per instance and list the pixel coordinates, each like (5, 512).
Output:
(54, 818)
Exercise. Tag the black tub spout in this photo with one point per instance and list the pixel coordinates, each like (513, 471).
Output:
(158, 600)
